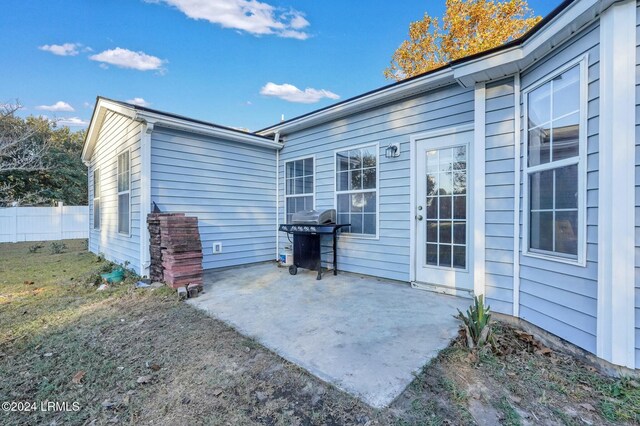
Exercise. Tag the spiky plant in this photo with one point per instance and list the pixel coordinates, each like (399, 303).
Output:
(476, 323)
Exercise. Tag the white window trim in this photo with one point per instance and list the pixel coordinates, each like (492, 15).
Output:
(284, 180)
(580, 160)
(128, 192)
(350, 235)
(93, 205)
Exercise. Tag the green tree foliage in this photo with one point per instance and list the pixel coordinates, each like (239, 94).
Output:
(63, 176)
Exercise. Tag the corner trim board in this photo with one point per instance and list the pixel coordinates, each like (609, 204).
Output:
(516, 195)
(145, 196)
(615, 335)
(479, 190)
(277, 230)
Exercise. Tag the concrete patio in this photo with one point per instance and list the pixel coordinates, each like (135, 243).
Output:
(366, 336)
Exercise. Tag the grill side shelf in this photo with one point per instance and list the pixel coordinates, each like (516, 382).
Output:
(311, 229)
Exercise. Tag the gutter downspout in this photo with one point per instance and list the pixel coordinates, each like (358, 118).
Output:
(89, 203)
(145, 196)
(276, 139)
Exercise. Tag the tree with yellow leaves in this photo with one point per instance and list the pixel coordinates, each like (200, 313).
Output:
(468, 27)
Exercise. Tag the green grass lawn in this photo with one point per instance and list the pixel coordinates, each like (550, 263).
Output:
(54, 326)
(139, 356)
(42, 291)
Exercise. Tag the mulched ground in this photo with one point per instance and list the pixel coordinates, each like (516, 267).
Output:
(142, 357)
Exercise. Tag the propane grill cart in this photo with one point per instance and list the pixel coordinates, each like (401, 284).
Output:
(307, 229)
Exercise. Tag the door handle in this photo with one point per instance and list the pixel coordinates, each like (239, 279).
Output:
(419, 217)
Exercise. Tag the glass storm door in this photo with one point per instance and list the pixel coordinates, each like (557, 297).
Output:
(442, 207)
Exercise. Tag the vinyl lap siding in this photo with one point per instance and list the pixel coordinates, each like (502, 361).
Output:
(229, 186)
(558, 297)
(118, 134)
(388, 256)
(499, 193)
(637, 234)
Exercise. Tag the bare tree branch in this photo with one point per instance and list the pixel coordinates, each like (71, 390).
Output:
(21, 146)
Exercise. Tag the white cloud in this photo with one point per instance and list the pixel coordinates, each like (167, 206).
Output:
(87, 105)
(298, 22)
(125, 58)
(66, 49)
(252, 16)
(72, 122)
(58, 106)
(291, 93)
(139, 101)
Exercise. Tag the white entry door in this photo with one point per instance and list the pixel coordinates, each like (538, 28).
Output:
(443, 230)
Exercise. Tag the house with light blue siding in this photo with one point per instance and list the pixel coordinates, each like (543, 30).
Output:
(514, 173)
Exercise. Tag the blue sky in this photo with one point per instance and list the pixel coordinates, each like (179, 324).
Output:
(207, 60)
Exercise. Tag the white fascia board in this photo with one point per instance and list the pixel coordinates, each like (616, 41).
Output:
(517, 58)
(490, 66)
(204, 129)
(96, 123)
(380, 97)
(473, 72)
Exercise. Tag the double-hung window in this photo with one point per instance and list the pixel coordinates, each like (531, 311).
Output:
(96, 199)
(357, 189)
(299, 184)
(555, 215)
(124, 193)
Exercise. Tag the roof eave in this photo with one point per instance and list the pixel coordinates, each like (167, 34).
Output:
(503, 61)
(164, 120)
(204, 129)
(99, 111)
(439, 78)
(518, 56)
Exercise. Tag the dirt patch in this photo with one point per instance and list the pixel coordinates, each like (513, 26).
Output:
(521, 382)
(142, 357)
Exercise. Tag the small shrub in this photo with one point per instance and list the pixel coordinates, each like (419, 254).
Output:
(95, 280)
(106, 267)
(130, 273)
(476, 323)
(57, 248)
(34, 248)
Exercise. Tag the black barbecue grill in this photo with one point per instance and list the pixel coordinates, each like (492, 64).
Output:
(307, 228)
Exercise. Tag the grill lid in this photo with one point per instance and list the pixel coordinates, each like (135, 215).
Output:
(314, 217)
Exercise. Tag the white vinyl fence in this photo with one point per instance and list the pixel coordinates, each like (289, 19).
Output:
(43, 223)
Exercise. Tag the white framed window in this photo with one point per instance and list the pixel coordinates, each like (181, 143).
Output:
(555, 165)
(299, 183)
(96, 199)
(356, 193)
(124, 193)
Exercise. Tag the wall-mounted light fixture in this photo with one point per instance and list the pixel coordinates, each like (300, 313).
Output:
(392, 151)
